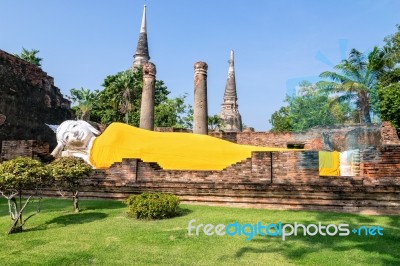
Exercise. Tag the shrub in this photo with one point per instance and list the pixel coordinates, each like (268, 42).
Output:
(153, 205)
(69, 173)
(17, 175)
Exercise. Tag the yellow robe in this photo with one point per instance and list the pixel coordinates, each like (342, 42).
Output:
(329, 163)
(171, 150)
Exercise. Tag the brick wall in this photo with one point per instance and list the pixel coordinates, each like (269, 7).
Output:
(338, 138)
(275, 180)
(381, 165)
(28, 100)
(24, 148)
(389, 134)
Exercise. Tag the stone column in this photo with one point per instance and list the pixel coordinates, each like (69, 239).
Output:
(147, 105)
(200, 112)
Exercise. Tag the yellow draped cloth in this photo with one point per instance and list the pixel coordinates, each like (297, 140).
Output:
(329, 163)
(171, 150)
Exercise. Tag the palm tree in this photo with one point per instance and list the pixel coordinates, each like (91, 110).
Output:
(356, 80)
(30, 56)
(126, 84)
(85, 99)
(214, 122)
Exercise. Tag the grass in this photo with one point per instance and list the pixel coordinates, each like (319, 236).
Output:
(102, 234)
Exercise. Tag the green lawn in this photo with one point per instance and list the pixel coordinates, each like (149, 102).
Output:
(102, 234)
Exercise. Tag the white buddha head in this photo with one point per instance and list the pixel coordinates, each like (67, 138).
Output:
(74, 134)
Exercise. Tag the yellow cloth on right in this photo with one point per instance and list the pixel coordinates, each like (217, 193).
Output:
(178, 151)
(329, 163)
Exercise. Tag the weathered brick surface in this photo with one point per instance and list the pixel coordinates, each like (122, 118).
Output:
(274, 180)
(339, 138)
(294, 167)
(389, 134)
(25, 148)
(381, 165)
(277, 180)
(28, 100)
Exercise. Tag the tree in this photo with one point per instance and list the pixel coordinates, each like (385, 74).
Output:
(214, 122)
(187, 119)
(69, 172)
(30, 56)
(127, 86)
(389, 82)
(392, 47)
(281, 120)
(116, 104)
(173, 113)
(310, 107)
(16, 176)
(119, 101)
(84, 100)
(389, 96)
(356, 80)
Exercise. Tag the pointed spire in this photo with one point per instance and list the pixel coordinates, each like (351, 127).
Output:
(231, 62)
(142, 51)
(230, 116)
(143, 26)
(230, 88)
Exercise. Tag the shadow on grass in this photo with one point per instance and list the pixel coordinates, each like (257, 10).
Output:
(183, 212)
(77, 218)
(245, 250)
(60, 204)
(101, 204)
(70, 219)
(384, 250)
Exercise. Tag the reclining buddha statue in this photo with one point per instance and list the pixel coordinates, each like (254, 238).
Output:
(171, 150)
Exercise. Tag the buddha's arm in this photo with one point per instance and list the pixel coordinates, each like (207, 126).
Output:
(57, 152)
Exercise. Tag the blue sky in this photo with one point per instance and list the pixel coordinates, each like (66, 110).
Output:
(276, 43)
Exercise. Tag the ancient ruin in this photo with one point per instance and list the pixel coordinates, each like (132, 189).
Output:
(28, 100)
(147, 103)
(141, 55)
(200, 108)
(275, 180)
(230, 116)
(267, 179)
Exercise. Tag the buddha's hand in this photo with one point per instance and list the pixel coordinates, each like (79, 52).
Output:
(57, 150)
(66, 154)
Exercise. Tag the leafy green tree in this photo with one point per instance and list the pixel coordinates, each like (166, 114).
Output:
(281, 120)
(392, 48)
(69, 172)
(115, 100)
(187, 119)
(16, 176)
(119, 101)
(389, 95)
(356, 79)
(30, 56)
(389, 82)
(84, 100)
(161, 92)
(172, 113)
(310, 107)
(127, 87)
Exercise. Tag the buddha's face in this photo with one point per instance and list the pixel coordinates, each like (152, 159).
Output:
(75, 134)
